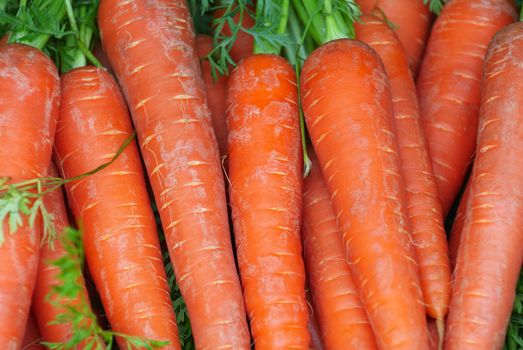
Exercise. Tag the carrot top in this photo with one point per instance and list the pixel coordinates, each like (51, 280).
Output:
(270, 17)
(35, 22)
(329, 19)
(74, 50)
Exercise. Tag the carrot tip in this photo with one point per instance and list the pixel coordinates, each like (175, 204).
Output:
(440, 325)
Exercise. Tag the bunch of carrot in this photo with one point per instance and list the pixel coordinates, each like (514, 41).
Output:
(286, 176)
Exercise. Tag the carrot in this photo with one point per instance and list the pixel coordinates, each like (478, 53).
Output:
(112, 206)
(216, 91)
(457, 228)
(32, 335)
(411, 20)
(423, 207)
(449, 86)
(29, 99)
(150, 45)
(46, 313)
(265, 167)
(491, 250)
(342, 318)
(348, 110)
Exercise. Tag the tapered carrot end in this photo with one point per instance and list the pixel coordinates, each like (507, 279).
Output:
(440, 326)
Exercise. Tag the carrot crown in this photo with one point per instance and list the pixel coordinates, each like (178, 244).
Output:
(34, 23)
(327, 20)
(268, 31)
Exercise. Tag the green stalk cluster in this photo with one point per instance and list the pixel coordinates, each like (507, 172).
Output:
(327, 20)
(36, 22)
(74, 50)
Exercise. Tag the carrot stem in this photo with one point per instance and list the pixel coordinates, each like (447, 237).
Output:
(307, 163)
(308, 12)
(82, 40)
(261, 45)
(297, 51)
(332, 29)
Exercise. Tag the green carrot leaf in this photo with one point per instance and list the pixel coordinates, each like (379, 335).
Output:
(435, 5)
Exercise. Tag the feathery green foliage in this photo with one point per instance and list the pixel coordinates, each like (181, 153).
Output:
(514, 340)
(35, 22)
(267, 16)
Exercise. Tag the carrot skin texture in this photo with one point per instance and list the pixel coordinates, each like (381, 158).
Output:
(491, 249)
(216, 91)
(348, 110)
(413, 21)
(113, 208)
(423, 206)
(264, 150)
(162, 81)
(340, 312)
(47, 275)
(449, 86)
(29, 101)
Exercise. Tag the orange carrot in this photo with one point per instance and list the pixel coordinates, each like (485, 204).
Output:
(150, 45)
(449, 86)
(348, 110)
(342, 318)
(47, 276)
(112, 206)
(423, 207)
(491, 250)
(29, 99)
(216, 92)
(411, 20)
(265, 167)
